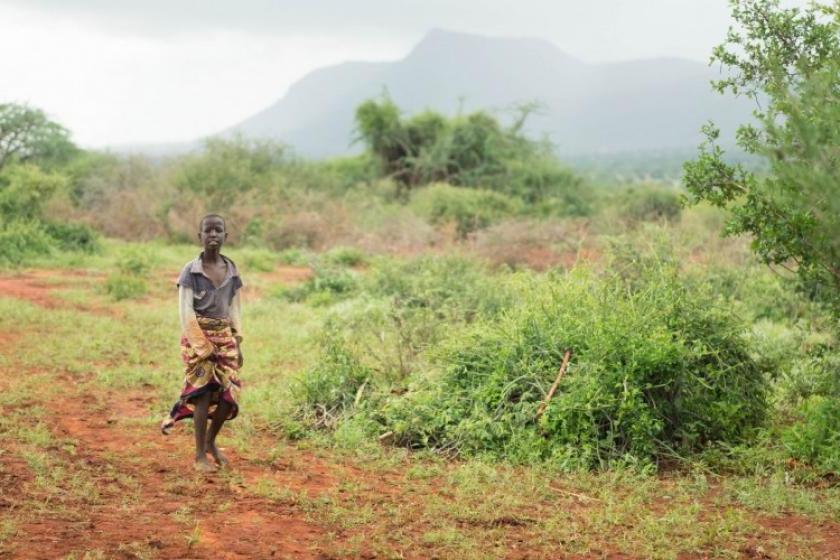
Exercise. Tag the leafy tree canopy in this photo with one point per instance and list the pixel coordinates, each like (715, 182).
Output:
(472, 150)
(27, 135)
(788, 60)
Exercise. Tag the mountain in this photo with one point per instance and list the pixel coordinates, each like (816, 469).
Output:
(655, 104)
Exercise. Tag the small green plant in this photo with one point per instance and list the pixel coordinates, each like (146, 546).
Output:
(194, 537)
(325, 286)
(129, 282)
(123, 286)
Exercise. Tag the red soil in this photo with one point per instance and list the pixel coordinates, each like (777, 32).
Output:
(29, 289)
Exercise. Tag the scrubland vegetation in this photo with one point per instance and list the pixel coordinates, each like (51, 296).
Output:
(454, 262)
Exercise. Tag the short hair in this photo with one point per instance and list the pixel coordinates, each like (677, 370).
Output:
(201, 223)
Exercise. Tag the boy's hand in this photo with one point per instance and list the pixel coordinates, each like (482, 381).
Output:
(239, 358)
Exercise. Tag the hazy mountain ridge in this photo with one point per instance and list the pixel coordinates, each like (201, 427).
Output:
(655, 104)
(586, 108)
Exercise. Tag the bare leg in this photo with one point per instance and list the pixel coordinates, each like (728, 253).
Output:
(219, 417)
(202, 404)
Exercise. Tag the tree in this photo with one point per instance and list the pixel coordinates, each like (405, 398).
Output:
(472, 150)
(26, 134)
(788, 61)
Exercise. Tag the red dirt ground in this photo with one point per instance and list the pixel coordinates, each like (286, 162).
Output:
(150, 498)
(28, 288)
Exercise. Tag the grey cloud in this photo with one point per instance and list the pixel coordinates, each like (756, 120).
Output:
(595, 29)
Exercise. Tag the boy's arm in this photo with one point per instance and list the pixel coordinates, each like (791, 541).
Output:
(236, 320)
(236, 316)
(189, 323)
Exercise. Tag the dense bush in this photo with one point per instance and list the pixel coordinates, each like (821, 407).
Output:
(400, 310)
(24, 240)
(468, 209)
(815, 438)
(655, 369)
(73, 237)
(226, 169)
(24, 189)
(330, 389)
(650, 203)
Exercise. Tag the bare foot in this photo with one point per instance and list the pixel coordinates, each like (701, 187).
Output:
(203, 465)
(218, 456)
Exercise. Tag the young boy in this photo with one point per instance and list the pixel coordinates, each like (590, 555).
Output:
(211, 335)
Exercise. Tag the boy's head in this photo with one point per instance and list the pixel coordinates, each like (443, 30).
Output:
(211, 231)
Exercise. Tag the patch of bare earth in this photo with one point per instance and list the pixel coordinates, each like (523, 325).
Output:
(151, 500)
(37, 287)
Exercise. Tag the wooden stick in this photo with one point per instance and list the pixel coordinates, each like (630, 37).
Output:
(551, 391)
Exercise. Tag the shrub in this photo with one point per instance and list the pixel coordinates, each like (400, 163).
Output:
(452, 287)
(816, 438)
(344, 256)
(324, 286)
(332, 387)
(261, 260)
(23, 240)
(294, 257)
(468, 209)
(74, 237)
(226, 168)
(401, 309)
(648, 203)
(134, 261)
(129, 281)
(24, 189)
(656, 367)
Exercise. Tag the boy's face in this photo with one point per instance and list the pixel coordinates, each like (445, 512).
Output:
(212, 233)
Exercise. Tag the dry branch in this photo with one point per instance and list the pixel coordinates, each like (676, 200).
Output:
(556, 383)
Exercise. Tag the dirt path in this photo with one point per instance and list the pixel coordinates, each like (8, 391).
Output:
(150, 498)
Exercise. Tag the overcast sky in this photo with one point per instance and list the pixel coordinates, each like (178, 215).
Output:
(138, 71)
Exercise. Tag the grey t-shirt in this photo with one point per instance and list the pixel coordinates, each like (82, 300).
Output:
(208, 300)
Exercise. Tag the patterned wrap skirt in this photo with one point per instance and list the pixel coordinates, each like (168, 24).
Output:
(216, 373)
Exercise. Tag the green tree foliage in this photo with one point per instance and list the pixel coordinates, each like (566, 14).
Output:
(27, 135)
(25, 188)
(472, 150)
(788, 60)
(227, 168)
(34, 155)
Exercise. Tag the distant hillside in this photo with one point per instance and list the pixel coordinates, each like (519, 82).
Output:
(656, 104)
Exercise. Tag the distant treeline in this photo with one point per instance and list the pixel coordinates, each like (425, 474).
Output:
(416, 175)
